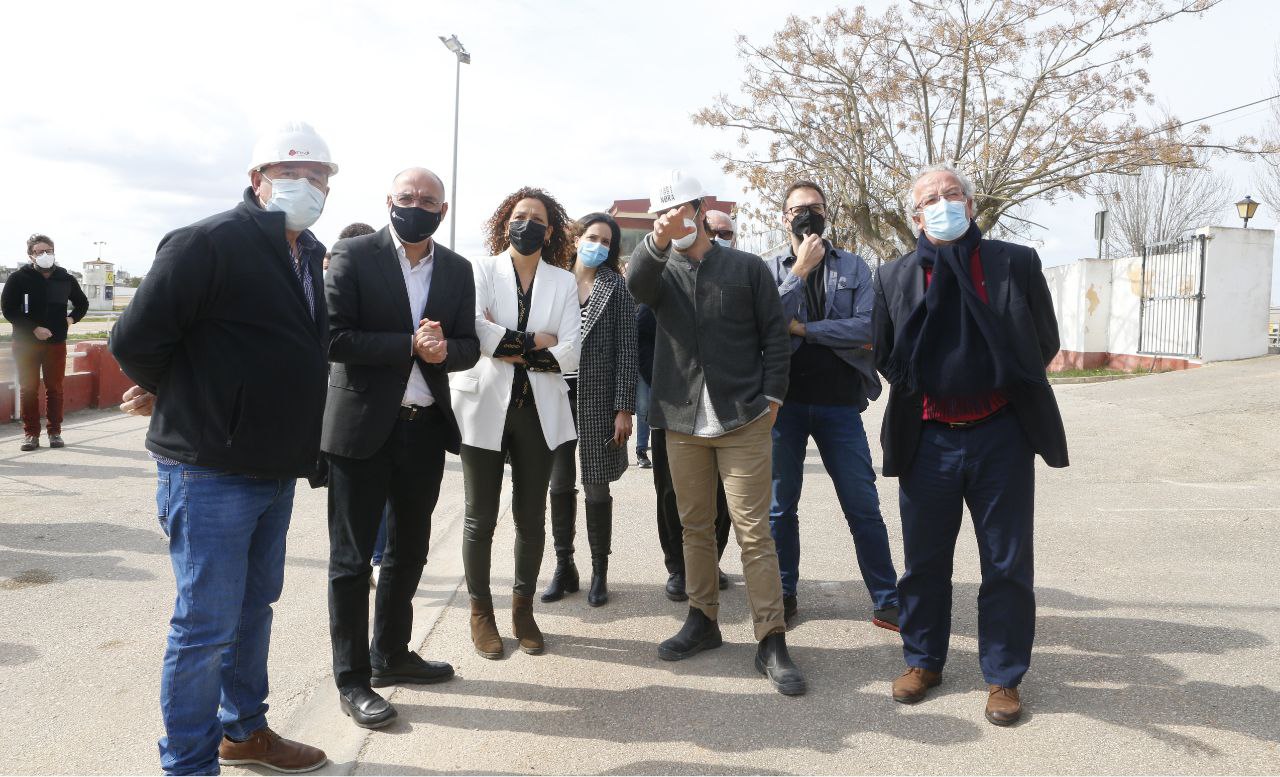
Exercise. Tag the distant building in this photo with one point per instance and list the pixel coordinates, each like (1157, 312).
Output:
(99, 284)
(636, 221)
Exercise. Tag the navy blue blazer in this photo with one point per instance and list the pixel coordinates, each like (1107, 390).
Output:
(1020, 296)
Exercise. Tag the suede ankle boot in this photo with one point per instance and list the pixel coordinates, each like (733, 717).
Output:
(524, 626)
(484, 629)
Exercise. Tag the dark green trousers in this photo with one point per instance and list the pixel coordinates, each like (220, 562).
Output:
(531, 461)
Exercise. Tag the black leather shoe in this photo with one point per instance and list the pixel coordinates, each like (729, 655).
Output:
(411, 669)
(773, 661)
(366, 708)
(724, 579)
(598, 594)
(563, 581)
(886, 618)
(698, 633)
(642, 459)
(675, 587)
(790, 606)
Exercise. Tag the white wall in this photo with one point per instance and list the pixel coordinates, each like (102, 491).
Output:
(1237, 292)
(1098, 302)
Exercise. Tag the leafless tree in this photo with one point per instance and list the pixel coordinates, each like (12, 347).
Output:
(1033, 99)
(1268, 177)
(1159, 204)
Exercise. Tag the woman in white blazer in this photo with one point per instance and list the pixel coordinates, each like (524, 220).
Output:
(514, 403)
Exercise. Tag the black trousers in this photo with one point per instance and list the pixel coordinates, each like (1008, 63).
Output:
(406, 471)
(670, 532)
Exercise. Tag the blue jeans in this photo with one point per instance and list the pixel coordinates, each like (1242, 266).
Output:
(991, 468)
(227, 544)
(842, 444)
(642, 414)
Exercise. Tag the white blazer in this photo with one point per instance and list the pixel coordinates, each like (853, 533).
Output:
(481, 394)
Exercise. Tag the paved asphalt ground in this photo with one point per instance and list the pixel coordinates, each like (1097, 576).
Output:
(1156, 650)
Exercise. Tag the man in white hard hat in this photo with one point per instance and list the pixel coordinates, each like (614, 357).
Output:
(226, 340)
(719, 375)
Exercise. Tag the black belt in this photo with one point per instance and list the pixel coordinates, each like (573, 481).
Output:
(417, 412)
(969, 424)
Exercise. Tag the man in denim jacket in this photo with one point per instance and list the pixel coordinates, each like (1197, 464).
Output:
(828, 299)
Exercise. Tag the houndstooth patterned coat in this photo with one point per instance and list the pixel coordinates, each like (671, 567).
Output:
(606, 376)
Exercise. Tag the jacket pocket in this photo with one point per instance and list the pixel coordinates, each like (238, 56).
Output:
(162, 501)
(467, 383)
(737, 303)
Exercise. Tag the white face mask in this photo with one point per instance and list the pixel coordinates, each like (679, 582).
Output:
(683, 243)
(300, 201)
(722, 242)
(45, 261)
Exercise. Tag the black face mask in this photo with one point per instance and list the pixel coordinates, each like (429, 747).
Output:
(414, 225)
(808, 223)
(527, 237)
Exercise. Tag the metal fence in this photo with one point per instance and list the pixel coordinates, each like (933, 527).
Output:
(1172, 303)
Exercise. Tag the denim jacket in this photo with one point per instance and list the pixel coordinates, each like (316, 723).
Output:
(847, 328)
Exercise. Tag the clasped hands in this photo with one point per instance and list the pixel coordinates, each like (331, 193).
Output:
(429, 343)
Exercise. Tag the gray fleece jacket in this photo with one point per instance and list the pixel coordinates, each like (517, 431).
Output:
(720, 326)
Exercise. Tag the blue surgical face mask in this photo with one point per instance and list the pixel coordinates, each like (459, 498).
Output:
(722, 242)
(592, 254)
(946, 220)
(300, 201)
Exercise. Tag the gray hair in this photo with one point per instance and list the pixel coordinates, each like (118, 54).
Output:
(941, 167)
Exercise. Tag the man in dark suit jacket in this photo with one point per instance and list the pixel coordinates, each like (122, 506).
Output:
(401, 317)
(964, 328)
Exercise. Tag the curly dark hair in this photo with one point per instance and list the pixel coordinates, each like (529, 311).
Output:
(558, 252)
(355, 230)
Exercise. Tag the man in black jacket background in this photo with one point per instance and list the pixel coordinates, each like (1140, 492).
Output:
(964, 328)
(226, 341)
(401, 317)
(35, 301)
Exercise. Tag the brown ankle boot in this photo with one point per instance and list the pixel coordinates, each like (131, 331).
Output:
(484, 629)
(913, 684)
(524, 626)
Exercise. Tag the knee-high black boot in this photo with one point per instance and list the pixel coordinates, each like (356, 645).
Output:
(564, 514)
(599, 535)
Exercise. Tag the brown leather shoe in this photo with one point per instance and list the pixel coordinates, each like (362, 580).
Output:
(524, 626)
(484, 630)
(1004, 706)
(267, 748)
(914, 683)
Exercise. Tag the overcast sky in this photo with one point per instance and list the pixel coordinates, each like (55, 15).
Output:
(122, 121)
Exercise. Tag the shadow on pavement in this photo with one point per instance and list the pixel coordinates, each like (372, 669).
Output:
(13, 654)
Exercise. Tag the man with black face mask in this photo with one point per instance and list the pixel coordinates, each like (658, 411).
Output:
(828, 300)
(401, 317)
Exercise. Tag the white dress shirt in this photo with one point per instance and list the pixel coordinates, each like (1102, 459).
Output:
(417, 281)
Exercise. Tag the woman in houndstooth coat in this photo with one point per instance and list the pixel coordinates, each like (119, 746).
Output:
(603, 398)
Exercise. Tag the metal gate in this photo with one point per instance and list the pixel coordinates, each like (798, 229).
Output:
(1172, 297)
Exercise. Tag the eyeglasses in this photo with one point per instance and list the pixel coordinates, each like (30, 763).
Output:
(316, 179)
(951, 195)
(817, 209)
(408, 200)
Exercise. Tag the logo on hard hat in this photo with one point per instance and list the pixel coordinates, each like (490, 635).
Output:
(296, 152)
(667, 195)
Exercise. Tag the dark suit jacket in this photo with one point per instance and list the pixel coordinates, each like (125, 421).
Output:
(370, 340)
(1019, 295)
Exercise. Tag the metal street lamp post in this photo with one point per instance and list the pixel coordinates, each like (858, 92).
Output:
(1246, 208)
(99, 244)
(453, 44)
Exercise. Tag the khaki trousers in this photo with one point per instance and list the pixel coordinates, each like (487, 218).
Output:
(744, 460)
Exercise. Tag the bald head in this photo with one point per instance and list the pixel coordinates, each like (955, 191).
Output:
(420, 179)
(722, 226)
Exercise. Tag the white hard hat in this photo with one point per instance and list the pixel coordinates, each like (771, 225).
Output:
(294, 141)
(673, 189)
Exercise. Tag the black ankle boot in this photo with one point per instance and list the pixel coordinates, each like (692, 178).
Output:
(564, 509)
(773, 661)
(599, 536)
(698, 633)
